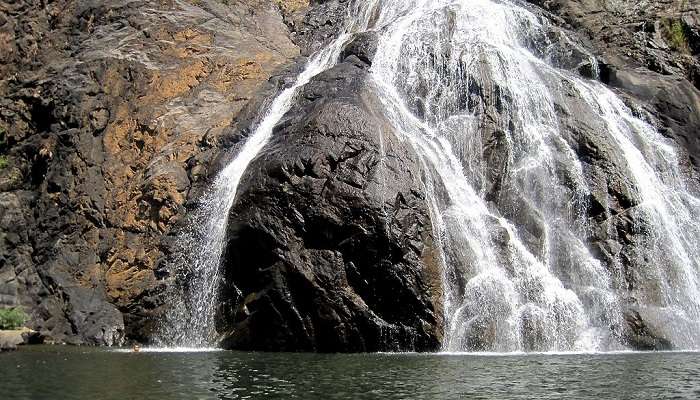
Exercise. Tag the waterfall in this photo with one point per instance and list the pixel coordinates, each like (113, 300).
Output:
(485, 92)
(512, 219)
(190, 321)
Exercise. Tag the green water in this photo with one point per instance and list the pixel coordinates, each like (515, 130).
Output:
(58, 372)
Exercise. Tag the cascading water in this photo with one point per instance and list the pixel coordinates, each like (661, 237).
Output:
(511, 209)
(190, 322)
(478, 88)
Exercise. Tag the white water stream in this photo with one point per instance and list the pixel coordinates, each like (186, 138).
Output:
(505, 295)
(518, 270)
(190, 323)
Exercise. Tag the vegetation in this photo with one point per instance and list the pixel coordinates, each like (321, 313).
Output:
(3, 162)
(675, 31)
(677, 34)
(12, 318)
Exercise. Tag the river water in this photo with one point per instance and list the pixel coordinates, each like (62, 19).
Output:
(56, 372)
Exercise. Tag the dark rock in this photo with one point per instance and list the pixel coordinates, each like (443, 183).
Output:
(641, 336)
(644, 59)
(674, 102)
(363, 46)
(321, 24)
(32, 337)
(330, 244)
(654, 70)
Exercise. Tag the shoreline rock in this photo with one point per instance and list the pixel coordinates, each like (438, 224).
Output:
(10, 339)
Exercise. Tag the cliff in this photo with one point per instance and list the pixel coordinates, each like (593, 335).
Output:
(116, 115)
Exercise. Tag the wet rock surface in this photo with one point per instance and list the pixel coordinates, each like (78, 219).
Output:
(648, 54)
(115, 115)
(330, 245)
(650, 51)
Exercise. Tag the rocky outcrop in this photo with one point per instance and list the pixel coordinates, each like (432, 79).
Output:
(649, 55)
(649, 50)
(330, 244)
(10, 339)
(114, 115)
(109, 114)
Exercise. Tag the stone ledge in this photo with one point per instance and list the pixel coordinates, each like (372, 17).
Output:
(10, 339)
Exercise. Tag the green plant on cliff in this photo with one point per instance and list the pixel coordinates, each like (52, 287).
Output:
(676, 34)
(12, 318)
(3, 162)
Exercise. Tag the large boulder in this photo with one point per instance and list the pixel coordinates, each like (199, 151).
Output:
(10, 339)
(330, 245)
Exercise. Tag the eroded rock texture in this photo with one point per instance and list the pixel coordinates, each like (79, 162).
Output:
(330, 245)
(115, 114)
(109, 114)
(648, 52)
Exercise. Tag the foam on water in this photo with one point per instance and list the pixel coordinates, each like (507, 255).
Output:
(168, 350)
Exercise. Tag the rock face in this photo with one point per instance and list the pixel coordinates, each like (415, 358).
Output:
(109, 114)
(115, 114)
(649, 51)
(330, 245)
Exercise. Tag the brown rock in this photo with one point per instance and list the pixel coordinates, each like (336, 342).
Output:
(106, 109)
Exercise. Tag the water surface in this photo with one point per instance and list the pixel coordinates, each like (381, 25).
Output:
(56, 372)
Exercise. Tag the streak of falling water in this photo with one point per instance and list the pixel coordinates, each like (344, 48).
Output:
(190, 322)
(477, 87)
(519, 275)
